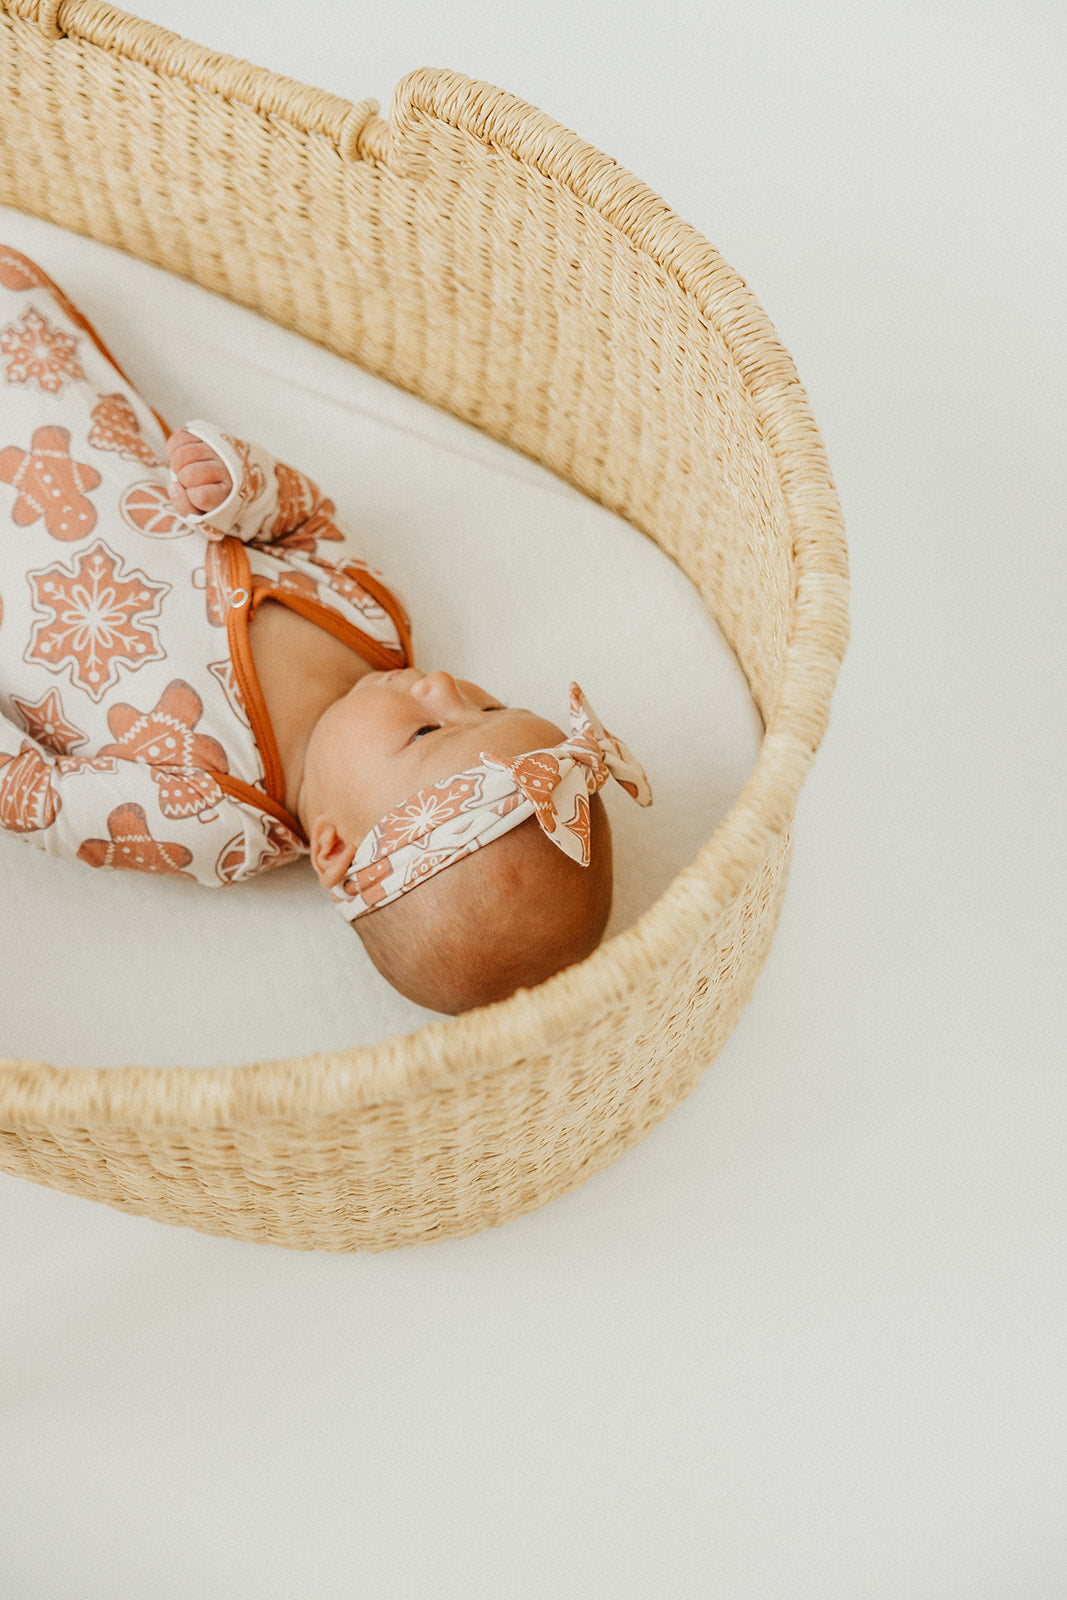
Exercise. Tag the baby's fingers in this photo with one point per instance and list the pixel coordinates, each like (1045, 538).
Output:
(193, 493)
(198, 474)
(184, 447)
(194, 461)
(209, 496)
(200, 480)
(180, 500)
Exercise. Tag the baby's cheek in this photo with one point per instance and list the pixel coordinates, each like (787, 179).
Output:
(341, 765)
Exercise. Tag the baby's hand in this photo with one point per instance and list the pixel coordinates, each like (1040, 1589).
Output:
(203, 481)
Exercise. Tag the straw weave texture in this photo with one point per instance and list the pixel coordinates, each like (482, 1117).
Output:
(474, 252)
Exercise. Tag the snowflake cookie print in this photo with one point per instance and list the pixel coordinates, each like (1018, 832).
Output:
(95, 618)
(32, 351)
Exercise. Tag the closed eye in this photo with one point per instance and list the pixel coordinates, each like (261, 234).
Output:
(434, 727)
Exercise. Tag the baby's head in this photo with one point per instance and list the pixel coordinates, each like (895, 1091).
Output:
(395, 755)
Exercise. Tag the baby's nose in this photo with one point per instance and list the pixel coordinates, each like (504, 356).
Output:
(437, 686)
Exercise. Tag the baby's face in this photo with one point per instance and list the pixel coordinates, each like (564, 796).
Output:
(396, 732)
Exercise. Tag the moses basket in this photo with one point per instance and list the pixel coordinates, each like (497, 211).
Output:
(472, 251)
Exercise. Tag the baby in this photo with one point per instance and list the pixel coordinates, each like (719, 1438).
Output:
(189, 685)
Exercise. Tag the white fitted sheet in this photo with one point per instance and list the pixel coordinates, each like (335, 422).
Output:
(102, 969)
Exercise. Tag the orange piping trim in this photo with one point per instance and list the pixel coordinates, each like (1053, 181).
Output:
(376, 654)
(239, 574)
(239, 790)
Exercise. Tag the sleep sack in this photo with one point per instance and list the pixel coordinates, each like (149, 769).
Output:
(133, 732)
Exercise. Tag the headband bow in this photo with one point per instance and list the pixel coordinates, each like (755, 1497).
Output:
(439, 825)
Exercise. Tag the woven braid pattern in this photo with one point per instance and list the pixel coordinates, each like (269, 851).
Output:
(474, 252)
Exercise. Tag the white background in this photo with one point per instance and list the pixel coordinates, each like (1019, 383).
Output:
(807, 1340)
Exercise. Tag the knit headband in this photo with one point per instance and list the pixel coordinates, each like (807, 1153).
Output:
(439, 825)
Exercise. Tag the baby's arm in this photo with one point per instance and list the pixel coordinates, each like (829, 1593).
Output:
(120, 811)
(99, 811)
(236, 488)
(29, 796)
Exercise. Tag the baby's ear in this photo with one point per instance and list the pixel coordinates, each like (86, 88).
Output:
(331, 855)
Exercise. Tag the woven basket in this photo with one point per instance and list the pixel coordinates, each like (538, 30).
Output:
(474, 252)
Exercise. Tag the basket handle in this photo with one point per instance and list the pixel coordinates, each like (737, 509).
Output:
(48, 18)
(357, 130)
(44, 13)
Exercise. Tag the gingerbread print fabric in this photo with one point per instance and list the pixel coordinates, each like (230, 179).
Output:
(125, 735)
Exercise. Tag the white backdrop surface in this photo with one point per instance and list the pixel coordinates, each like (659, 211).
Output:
(806, 1342)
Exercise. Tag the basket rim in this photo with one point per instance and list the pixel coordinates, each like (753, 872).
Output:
(441, 1054)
